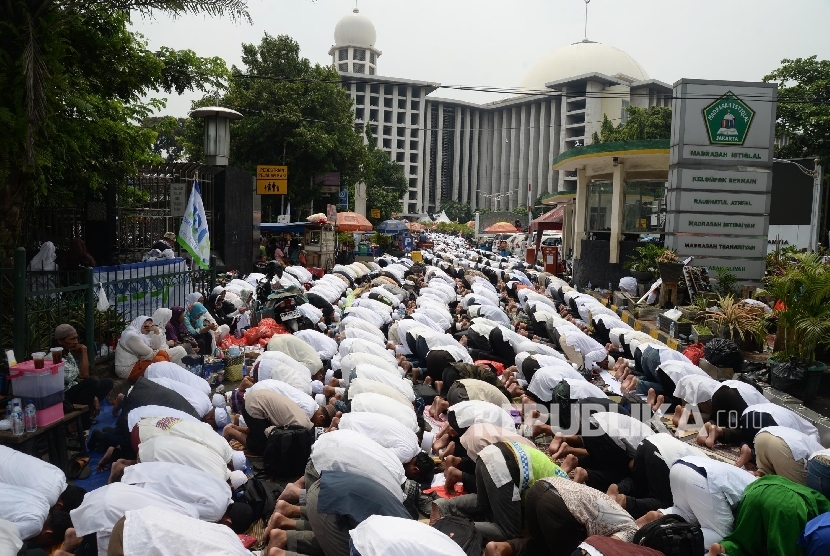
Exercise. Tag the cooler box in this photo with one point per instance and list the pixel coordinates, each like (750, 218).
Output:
(43, 386)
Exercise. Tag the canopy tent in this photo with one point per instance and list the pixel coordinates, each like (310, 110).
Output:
(501, 228)
(442, 217)
(352, 222)
(551, 220)
(392, 227)
(425, 220)
(283, 227)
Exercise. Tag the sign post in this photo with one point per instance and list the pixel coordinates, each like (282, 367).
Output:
(271, 180)
(375, 213)
(720, 175)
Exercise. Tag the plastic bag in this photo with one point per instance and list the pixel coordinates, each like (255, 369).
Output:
(721, 352)
(695, 352)
(103, 302)
(789, 377)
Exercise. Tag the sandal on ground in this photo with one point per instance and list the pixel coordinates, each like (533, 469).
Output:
(79, 469)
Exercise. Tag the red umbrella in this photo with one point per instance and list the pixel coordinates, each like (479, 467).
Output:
(501, 228)
(352, 222)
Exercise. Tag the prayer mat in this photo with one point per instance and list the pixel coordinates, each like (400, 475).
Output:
(436, 424)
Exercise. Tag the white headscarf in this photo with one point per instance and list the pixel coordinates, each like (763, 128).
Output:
(45, 259)
(161, 317)
(135, 330)
(190, 299)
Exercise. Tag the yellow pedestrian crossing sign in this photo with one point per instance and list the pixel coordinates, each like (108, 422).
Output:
(271, 180)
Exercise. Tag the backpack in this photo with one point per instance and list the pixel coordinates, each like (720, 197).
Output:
(672, 535)
(463, 532)
(287, 450)
(260, 495)
(562, 398)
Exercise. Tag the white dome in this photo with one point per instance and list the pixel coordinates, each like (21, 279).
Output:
(355, 30)
(581, 58)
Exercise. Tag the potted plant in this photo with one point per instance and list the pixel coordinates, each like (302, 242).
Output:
(740, 322)
(671, 271)
(802, 292)
(642, 264)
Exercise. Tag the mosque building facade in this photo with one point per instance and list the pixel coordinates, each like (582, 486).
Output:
(497, 155)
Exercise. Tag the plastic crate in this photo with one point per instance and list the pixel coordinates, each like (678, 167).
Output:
(43, 386)
(49, 415)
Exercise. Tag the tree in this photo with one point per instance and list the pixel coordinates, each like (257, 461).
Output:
(73, 80)
(295, 113)
(169, 132)
(642, 123)
(385, 181)
(803, 109)
(457, 211)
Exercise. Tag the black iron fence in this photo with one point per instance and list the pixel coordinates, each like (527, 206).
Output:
(33, 303)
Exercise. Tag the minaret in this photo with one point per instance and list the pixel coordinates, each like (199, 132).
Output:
(354, 45)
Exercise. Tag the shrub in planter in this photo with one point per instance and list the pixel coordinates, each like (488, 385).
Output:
(643, 262)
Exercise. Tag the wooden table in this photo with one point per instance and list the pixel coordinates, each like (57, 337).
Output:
(54, 433)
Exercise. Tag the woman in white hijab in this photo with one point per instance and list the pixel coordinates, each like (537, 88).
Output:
(160, 318)
(139, 347)
(192, 298)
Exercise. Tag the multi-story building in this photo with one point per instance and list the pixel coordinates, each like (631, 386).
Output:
(494, 155)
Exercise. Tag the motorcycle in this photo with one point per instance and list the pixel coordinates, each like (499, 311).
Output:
(284, 306)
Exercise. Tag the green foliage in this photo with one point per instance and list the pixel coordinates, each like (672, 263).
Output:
(643, 123)
(385, 181)
(169, 132)
(803, 110)
(521, 211)
(76, 83)
(382, 240)
(644, 259)
(727, 283)
(737, 320)
(295, 112)
(453, 228)
(804, 289)
(457, 211)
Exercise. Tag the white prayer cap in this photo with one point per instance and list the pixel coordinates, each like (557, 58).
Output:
(317, 386)
(218, 400)
(238, 478)
(320, 399)
(239, 461)
(220, 414)
(329, 376)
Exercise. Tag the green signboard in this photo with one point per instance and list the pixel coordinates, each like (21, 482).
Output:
(728, 120)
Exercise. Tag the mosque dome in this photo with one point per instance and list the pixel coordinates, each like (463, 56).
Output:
(355, 30)
(581, 58)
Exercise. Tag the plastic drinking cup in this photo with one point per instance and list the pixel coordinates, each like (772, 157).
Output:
(57, 355)
(38, 358)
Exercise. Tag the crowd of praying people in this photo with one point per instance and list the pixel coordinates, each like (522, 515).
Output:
(468, 404)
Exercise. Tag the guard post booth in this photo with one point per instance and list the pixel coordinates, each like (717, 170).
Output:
(620, 202)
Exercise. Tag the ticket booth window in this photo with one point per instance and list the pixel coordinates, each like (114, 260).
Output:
(599, 206)
(645, 207)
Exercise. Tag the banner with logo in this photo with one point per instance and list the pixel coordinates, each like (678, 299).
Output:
(194, 236)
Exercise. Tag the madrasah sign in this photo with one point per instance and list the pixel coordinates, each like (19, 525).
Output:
(728, 120)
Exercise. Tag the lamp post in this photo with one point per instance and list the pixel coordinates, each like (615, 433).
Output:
(217, 137)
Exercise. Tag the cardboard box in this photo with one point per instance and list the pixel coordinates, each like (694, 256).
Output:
(718, 373)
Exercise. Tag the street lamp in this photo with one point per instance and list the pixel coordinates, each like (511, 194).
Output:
(217, 137)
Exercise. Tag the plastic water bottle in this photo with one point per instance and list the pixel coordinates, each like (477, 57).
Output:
(589, 286)
(30, 417)
(245, 369)
(9, 409)
(17, 421)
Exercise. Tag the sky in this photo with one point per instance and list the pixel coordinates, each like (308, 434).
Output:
(495, 42)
